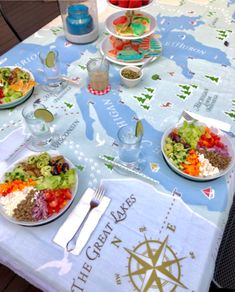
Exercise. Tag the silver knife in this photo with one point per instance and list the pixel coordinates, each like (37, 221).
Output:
(131, 170)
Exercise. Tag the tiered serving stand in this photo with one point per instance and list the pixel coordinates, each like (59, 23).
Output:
(106, 44)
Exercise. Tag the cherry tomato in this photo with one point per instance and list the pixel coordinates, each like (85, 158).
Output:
(1, 93)
(57, 199)
(54, 203)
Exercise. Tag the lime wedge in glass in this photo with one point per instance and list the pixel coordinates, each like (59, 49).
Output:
(50, 59)
(44, 114)
(139, 129)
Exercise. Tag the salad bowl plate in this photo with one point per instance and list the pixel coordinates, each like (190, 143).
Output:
(224, 139)
(53, 216)
(24, 97)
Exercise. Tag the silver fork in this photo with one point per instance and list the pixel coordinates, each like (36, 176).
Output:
(95, 201)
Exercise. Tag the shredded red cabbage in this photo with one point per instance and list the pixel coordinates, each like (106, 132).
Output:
(40, 210)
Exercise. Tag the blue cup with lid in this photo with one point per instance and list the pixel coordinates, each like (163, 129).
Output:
(79, 21)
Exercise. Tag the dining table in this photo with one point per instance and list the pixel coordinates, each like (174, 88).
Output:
(160, 231)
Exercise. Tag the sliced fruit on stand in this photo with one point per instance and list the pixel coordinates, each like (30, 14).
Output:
(135, 3)
(129, 3)
(114, 2)
(123, 3)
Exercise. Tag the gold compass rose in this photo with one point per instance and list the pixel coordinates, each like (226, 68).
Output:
(153, 265)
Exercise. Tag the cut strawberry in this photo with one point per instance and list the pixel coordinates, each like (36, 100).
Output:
(123, 3)
(135, 3)
(120, 20)
(145, 2)
(114, 2)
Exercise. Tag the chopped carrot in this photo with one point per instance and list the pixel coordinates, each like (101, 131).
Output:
(23, 87)
(192, 164)
(16, 185)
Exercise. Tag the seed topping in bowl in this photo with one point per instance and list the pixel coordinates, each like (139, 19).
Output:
(130, 74)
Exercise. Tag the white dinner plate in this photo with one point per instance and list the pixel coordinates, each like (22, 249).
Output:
(52, 217)
(106, 46)
(110, 27)
(224, 139)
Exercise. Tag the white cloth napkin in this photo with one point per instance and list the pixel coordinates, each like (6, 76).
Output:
(70, 226)
(9, 144)
(12, 148)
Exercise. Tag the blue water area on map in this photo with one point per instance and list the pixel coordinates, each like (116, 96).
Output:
(230, 2)
(233, 16)
(112, 113)
(180, 46)
(108, 106)
(27, 55)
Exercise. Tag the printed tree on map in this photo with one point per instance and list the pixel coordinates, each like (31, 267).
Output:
(56, 30)
(212, 78)
(80, 167)
(145, 97)
(186, 90)
(156, 77)
(69, 105)
(231, 114)
(211, 13)
(223, 33)
(109, 165)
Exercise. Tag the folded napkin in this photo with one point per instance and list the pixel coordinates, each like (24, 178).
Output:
(12, 148)
(11, 143)
(70, 226)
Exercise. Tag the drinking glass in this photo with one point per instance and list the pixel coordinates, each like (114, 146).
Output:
(129, 147)
(51, 70)
(41, 136)
(98, 71)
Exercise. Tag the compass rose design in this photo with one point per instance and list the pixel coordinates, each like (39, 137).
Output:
(154, 266)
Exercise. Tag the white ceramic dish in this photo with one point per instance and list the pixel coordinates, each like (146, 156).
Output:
(110, 27)
(106, 47)
(22, 98)
(122, 8)
(131, 82)
(224, 139)
(51, 218)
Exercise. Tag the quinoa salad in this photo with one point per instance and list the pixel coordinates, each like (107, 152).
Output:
(37, 188)
(197, 151)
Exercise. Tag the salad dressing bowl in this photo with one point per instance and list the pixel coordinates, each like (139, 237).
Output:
(16, 100)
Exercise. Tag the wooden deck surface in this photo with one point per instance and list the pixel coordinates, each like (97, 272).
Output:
(18, 20)
(10, 282)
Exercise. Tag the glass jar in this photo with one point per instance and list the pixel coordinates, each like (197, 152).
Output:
(80, 20)
(98, 71)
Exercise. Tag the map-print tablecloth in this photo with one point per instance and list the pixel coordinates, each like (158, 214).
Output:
(167, 247)
(195, 72)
